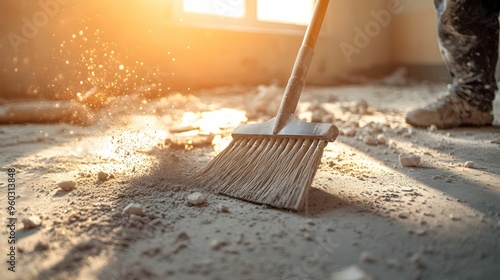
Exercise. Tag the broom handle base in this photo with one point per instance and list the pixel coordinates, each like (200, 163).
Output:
(294, 88)
(296, 82)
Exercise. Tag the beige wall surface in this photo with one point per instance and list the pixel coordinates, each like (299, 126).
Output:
(59, 48)
(71, 46)
(414, 34)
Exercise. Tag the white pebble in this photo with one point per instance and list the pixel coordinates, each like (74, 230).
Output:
(196, 198)
(381, 138)
(217, 244)
(67, 185)
(407, 189)
(352, 272)
(409, 160)
(32, 222)
(134, 208)
(432, 128)
(223, 208)
(416, 259)
(469, 164)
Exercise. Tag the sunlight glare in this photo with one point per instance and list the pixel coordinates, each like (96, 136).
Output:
(285, 11)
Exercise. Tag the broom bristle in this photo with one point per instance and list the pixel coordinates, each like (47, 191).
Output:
(266, 170)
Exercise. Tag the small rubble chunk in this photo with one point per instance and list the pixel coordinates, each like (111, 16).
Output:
(409, 160)
(121, 194)
(352, 272)
(308, 236)
(102, 176)
(392, 263)
(134, 208)
(381, 139)
(432, 128)
(403, 215)
(367, 257)
(469, 164)
(370, 140)
(67, 185)
(416, 259)
(222, 208)
(407, 189)
(41, 246)
(329, 118)
(359, 107)
(196, 198)
(454, 218)
(217, 244)
(31, 222)
(349, 132)
(317, 115)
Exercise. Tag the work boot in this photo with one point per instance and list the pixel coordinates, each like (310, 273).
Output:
(447, 112)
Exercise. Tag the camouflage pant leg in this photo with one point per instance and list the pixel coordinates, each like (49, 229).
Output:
(468, 36)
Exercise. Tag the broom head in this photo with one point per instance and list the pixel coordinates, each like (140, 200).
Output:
(267, 168)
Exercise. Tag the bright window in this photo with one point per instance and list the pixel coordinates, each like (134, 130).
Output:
(256, 13)
(226, 8)
(285, 11)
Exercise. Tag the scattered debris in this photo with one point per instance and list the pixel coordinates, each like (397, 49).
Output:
(397, 78)
(189, 140)
(31, 222)
(407, 189)
(308, 236)
(416, 259)
(349, 132)
(392, 263)
(102, 176)
(196, 198)
(370, 140)
(67, 185)
(328, 118)
(121, 194)
(360, 107)
(46, 112)
(367, 257)
(381, 139)
(432, 128)
(352, 272)
(420, 232)
(454, 218)
(409, 160)
(217, 244)
(41, 246)
(134, 208)
(222, 208)
(403, 215)
(469, 164)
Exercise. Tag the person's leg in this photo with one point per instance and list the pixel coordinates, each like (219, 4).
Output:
(468, 33)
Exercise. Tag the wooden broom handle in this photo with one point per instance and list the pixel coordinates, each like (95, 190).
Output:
(296, 82)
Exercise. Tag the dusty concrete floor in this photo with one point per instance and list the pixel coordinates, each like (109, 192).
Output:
(365, 211)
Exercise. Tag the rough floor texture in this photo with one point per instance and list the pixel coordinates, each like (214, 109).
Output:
(367, 214)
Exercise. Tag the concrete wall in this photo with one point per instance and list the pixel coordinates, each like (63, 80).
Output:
(414, 34)
(415, 43)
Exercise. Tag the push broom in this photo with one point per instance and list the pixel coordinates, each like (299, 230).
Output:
(274, 162)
